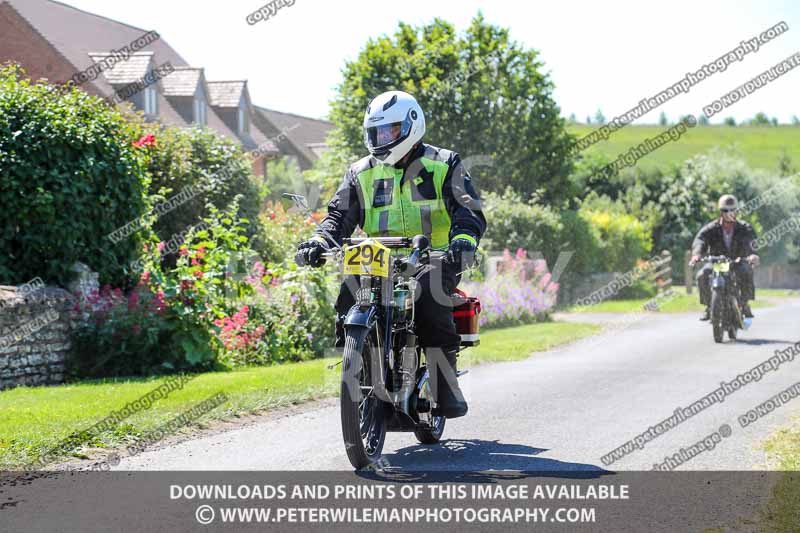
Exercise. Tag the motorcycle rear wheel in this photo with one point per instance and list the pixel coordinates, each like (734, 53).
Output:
(362, 412)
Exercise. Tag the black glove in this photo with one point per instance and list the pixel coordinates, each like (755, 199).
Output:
(310, 253)
(461, 254)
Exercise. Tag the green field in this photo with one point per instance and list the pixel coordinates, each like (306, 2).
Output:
(759, 146)
(34, 420)
(681, 303)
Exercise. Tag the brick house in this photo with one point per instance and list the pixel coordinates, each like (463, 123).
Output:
(55, 41)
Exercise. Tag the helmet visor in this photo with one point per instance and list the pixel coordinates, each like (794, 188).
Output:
(387, 135)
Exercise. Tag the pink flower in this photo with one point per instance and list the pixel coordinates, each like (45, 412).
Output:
(198, 274)
(147, 140)
(133, 300)
(161, 246)
(145, 277)
(195, 262)
(183, 251)
(136, 328)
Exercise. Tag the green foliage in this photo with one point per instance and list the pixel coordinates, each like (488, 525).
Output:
(70, 177)
(197, 157)
(603, 235)
(175, 330)
(280, 234)
(729, 121)
(295, 306)
(283, 175)
(761, 119)
(482, 93)
(515, 223)
(620, 239)
(599, 117)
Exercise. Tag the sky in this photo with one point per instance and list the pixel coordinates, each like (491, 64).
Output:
(600, 55)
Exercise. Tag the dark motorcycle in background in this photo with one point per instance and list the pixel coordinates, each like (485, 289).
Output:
(726, 307)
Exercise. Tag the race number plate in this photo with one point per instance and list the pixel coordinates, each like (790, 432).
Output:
(722, 267)
(369, 258)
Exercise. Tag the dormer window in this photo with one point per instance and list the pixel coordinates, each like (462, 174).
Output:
(200, 111)
(244, 121)
(150, 102)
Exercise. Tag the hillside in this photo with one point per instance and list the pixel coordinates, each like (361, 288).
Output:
(760, 146)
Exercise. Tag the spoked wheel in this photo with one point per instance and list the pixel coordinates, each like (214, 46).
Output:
(717, 314)
(363, 427)
(433, 433)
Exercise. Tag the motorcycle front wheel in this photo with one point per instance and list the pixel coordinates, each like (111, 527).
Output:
(363, 425)
(717, 315)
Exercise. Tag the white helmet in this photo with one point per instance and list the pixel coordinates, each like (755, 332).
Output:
(393, 124)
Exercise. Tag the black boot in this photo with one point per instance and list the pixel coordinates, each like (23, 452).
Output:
(706, 314)
(451, 402)
(746, 311)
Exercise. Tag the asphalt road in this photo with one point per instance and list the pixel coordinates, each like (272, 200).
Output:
(557, 411)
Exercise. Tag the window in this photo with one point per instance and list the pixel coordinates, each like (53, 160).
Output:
(150, 107)
(200, 111)
(244, 123)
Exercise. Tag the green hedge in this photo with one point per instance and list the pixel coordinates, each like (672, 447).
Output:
(199, 159)
(603, 237)
(70, 177)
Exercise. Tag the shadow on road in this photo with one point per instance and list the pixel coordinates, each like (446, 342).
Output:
(759, 342)
(475, 461)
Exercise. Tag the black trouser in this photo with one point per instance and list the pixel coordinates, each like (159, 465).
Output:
(433, 308)
(744, 278)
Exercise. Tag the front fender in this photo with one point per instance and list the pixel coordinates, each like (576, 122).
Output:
(718, 283)
(363, 317)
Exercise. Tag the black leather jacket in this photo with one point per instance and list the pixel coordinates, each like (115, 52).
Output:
(709, 240)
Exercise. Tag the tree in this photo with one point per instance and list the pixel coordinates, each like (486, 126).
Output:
(482, 94)
(703, 120)
(662, 119)
(572, 118)
(795, 120)
(774, 121)
(760, 119)
(588, 119)
(599, 117)
(729, 121)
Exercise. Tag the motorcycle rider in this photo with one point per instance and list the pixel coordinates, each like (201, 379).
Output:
(730, 237)
(403, 188)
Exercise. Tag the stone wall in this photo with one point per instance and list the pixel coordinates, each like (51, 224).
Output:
(34, 335)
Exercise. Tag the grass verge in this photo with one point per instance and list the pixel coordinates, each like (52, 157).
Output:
(683, 303)
(780, 514)
(34, 420)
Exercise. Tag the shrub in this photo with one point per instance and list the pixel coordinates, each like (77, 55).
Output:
(191, 295)
(513, 223)
(295, 308)
(182, 159)
(119, 336)
(621, 239)
(521, 293)
(70, 177)
(279, 234)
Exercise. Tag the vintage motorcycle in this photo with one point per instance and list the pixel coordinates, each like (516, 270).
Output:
(726, 309)
(386, 380)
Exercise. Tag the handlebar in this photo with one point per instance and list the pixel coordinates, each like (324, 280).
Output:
(719, 259)
(389, 242)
